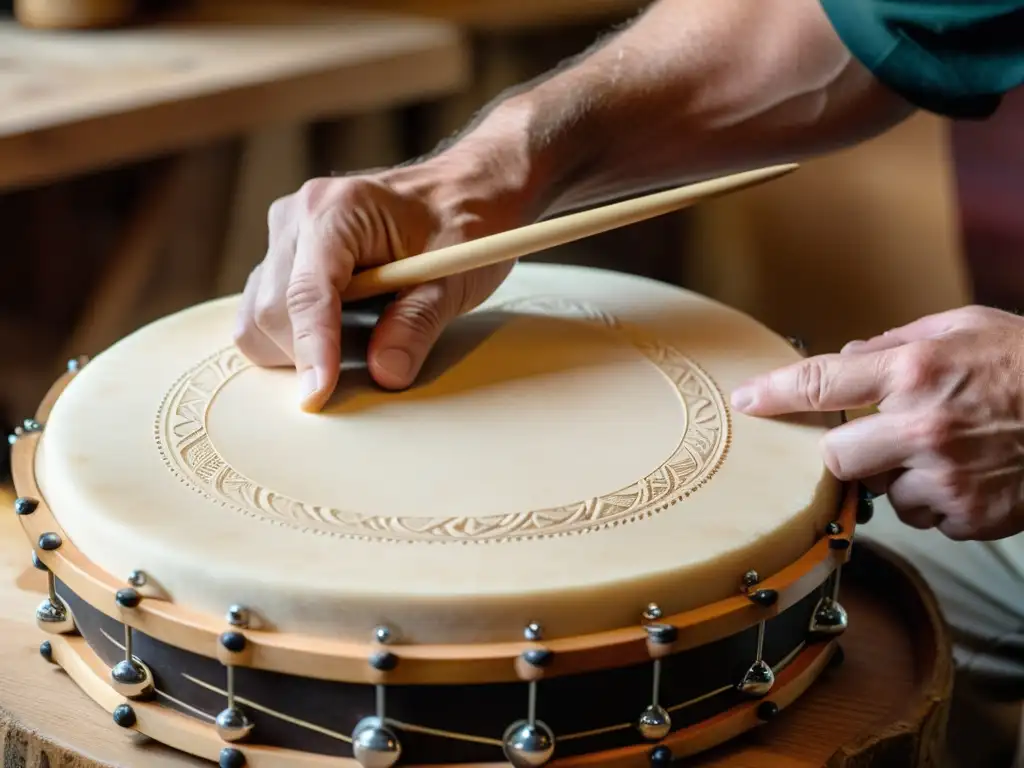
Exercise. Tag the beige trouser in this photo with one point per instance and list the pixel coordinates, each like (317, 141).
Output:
(980, 588)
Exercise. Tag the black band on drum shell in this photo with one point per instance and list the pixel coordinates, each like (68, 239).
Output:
(569, 704)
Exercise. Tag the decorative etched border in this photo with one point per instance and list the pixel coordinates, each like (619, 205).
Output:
(188, 451)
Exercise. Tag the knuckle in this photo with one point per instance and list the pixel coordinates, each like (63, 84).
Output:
(934, 432)
(470, 289)
(974, 313)
(348, 192)
(312, 193)
(246, 337)
(422, 316)
(954, 487)
(834, 460)
(249, 350)
(241, 337)
(266, 312)
(812, 382)
(306, 296)
(277, 213)
(919, 366)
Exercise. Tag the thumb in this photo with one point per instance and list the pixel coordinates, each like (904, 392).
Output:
(409, 327)
(407, 331)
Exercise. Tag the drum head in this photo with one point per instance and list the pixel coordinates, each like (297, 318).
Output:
(567, 456)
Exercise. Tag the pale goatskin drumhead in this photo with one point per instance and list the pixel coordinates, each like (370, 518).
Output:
(567, 457)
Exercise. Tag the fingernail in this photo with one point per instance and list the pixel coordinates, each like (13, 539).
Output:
(309, 384)
(396, 362)
(852, 346)
(742, 398)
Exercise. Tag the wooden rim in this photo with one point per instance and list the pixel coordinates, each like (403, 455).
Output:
(324, 659)
(191, 736)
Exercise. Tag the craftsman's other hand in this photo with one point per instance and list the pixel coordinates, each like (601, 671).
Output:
(323, 233)
(947, 441)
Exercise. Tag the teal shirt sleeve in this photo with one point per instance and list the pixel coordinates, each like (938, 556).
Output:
(956, 58)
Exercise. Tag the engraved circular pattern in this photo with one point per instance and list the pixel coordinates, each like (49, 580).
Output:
(188, 451)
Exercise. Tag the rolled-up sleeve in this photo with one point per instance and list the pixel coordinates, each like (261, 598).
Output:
(956, 58)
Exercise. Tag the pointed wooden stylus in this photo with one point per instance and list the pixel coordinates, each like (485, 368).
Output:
(533, 238)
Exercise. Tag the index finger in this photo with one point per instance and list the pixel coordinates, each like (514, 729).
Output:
(321, 270)
(822, 383)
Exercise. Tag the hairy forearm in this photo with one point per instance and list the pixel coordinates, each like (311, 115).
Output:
(691, 88)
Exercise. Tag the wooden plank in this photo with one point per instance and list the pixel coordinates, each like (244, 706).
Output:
(75, 101)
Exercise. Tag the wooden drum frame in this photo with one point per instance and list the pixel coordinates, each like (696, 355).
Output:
(82, 598)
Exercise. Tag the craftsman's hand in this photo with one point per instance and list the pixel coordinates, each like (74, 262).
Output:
(947, 442)
(330, 228)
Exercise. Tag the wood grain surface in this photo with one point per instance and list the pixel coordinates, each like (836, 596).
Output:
(74, 101)
(886, 706)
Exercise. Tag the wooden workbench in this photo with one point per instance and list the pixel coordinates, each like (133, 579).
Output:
(72, 102)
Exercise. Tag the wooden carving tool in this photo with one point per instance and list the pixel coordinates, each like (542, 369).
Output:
(533, 238)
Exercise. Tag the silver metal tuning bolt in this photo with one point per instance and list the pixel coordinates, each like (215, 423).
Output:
(375, 743)
(529, 743)
(232, 723)
(130, 677)
(238, 616)
(829, 618)
(760, 678)
(654, 722)
(52, 615)
(750, 579)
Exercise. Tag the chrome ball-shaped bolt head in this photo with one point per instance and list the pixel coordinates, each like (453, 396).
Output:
(53, 617)
(131, 679)
(528, 746)
(829, 618)
(758, 680)
(654, 723)
(233, 725)
(374, 745)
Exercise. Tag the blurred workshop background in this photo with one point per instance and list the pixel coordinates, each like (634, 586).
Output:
(141, 142)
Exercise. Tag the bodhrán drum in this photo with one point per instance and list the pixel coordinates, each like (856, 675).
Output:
(559, 545)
